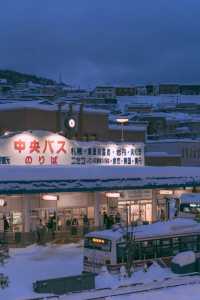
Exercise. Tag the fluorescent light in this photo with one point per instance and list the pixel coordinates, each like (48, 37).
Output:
(2, 202)
(50, 197)
(166, 192)
(122, 120)
(113, 195)
(6, 133)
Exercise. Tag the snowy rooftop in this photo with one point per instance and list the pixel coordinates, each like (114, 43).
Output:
(34, 179)
(161, 154)
(44, 105)
(178, 226)
(128, 127)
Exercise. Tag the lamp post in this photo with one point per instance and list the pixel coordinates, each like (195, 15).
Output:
(122, 121)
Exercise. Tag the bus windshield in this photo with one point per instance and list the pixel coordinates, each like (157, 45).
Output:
(193, 208)
(98, 244)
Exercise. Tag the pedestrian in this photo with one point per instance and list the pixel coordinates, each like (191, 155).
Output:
(85, 220)
(117, 218)
(6, 224)
(85, 224)
(105, 219)
(39, 232)
(74, 226)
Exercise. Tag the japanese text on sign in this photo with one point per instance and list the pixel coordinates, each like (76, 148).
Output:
(49, 147)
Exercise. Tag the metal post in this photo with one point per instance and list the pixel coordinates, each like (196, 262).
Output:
(57, 213)
(122, 135)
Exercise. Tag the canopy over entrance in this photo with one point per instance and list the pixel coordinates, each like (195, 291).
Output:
(39, 179)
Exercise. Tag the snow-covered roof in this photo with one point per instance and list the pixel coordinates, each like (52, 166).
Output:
(167, 228)
(128, 127)
(35, 179)
(185, 140)
(161, 154)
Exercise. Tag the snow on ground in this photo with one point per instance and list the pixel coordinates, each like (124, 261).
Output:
(190, 292)
(27, 265)
(36, 263)
(155, 272)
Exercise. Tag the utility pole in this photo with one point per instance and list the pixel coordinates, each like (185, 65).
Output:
(130, 244)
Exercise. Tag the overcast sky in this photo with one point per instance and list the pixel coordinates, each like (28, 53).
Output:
(102, 41)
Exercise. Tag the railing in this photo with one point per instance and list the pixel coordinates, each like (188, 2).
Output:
(43, 236)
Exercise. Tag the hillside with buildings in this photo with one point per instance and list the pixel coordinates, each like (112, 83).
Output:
(13, 77)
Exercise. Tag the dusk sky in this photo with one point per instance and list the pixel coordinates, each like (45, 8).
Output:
(102, 41)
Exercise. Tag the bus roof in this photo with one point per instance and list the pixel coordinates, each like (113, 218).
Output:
(177, 226)
(190, 198)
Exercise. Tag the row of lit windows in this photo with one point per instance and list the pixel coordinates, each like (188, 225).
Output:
(105, 152)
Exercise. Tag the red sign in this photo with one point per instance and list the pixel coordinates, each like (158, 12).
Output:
(34, 147)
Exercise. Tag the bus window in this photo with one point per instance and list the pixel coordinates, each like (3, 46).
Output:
(189, 243)
(176, 245)
(121, 253)
(98, 244)
(147, 250)
(166, 247)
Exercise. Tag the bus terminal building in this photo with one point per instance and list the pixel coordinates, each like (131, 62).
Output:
(31, 194)
(44, 176)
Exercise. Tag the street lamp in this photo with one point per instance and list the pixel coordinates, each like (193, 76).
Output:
(122, 121)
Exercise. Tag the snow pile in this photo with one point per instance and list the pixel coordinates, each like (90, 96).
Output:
(154, 272)
(184, 258)
(105, 279)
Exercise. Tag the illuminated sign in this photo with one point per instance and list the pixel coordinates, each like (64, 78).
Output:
(34, 148)
(98, 241)
(46, 148)
(97, 153)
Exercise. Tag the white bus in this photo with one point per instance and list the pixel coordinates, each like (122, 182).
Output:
(161, 239)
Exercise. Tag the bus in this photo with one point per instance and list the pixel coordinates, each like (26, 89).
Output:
(153, 241)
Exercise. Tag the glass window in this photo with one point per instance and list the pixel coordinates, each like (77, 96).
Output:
(89, 151)
(125, 160)
(108, 152)
(103, 151)
(99, 151)
(114, 161)
(118, 160)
